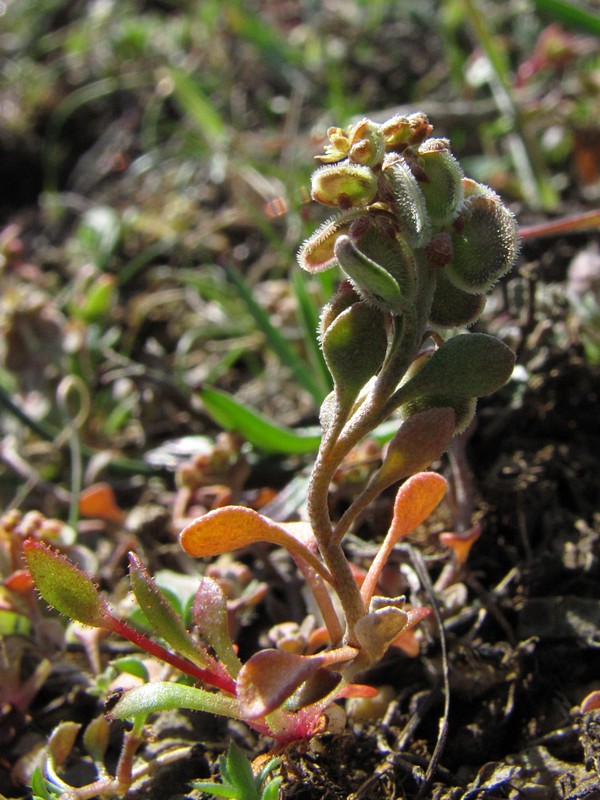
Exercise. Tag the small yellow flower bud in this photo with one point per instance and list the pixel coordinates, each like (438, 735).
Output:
(345, 185)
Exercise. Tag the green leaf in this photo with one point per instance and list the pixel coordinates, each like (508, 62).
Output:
(354, 346)
(240, 773)
(165, 695)
(232, 415)
(65, 587)
(571, 14)
(13, 624)
(217, 789)
(271, 792)
(468, 365)
(40, 786)
(160, 613)
(132, 666)
(198, 107)
(212, 619)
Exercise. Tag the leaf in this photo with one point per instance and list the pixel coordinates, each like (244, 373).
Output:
(240, 773)
(378, 629)
(39, 786)
(99, 501)
(65, 587)
(96, 738)
(214, 789)
(211, 618)
(468, 365)
(416, 499)
(269, 677)
(354, 346)
(198, 107)
(232, 415)
(160, 613)
(571, 14)
(61, 742)
(420, 441)
(12, 623)
(132, 666)
(165, 695)
(233, 527)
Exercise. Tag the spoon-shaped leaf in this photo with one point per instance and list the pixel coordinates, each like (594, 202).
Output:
(468, 365)
(233, 527)
(416, 499)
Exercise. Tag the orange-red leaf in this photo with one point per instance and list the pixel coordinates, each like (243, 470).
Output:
(233, 527)
(269, 678)
(99, 501)
(416, 499)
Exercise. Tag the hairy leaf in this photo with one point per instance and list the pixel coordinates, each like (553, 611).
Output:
(468, 365)
(232, 527)
(65, 587)
(211, 618)
(268, 678)
(161, 614)
(164, 695)
(416, 499)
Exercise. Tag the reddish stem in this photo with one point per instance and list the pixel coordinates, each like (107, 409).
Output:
(590, 220)
(219, 679)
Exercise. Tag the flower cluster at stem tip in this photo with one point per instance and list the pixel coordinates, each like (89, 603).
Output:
(407, 211)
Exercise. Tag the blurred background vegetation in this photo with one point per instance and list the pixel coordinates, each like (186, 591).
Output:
(155, 161)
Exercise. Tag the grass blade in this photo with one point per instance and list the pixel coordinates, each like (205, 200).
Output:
(277, 342)
(309, 316)
(574, 16)
(255, 428)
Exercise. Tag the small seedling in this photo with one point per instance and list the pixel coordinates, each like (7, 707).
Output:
(420, 245)
(239, 782)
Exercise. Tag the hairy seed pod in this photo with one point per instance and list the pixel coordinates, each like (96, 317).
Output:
(354, 347)
(453, 308)
(370, 280)
(316, 254)
(343, 298)
(485, 244)
(345, 185)
(376, 237)
(408, 201)
(442, 186)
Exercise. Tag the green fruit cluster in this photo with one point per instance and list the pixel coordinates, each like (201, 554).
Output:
(409, 214)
